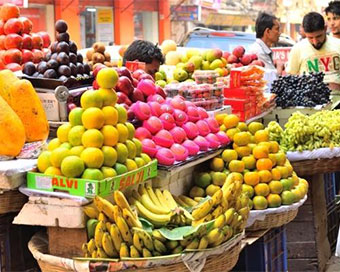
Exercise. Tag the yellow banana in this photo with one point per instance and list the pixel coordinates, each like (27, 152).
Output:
(205, 219)
(108, 245)
(157, 235)
(180, 202)
(156, 219)
(124, 251)
(170, 200)
(185, 241)
(116, 236)
(229, 215)
(101, 253)
(238, 204)
(104, 206)
(217, 212)
(134, 253)
(224, 204)
(190, 202)
(177, 250)
(84, 248)
(146, 253)
(244, 200)
(228, 232)
(102, 217)
(229, 180)
(159, 246)
(91, 211)
(217, 197)
(229, 191)
(131, 220)
(146, 238)
(87, 255)
(137, 242)
(91, 246)
(213, 235)
(162, 199)
(122, 202)
(218, 240)
(171, 244)
(152, 195)
(219, 221)
(198, 199)
(94, 254)
(203, 209)
(238, 224)
(117, 212)
(194, 244)
(203, 244)
(98, 233)
(244, 212)
(124, 230)
(147, 203)
(108, 225)
(144, 193)
(234, 222)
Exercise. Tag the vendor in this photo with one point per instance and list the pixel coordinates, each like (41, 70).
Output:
(267, 34)
(317, 53)
(333, 18)
(147, 52)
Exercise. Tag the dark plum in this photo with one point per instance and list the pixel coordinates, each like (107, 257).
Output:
(63, 47)
(80, 58)
(80, 68)
(52, 64)
(73, 47)
(54, 47)
(64, 70)
(29, 68)
(61, 26)
(42, 67)
(87, 69)
(63, 58)
(73, 58)
(73, 68)
(63, 37)
(50, 73)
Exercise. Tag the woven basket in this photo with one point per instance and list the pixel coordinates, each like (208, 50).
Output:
(11, 201)
(312, 167)
(273, 220)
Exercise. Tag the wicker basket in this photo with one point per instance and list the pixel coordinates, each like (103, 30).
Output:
(312, 167)
(273, 220)
(11, 201)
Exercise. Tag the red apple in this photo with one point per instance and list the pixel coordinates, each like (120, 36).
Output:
(13, 41)
(123, 71)
(13, 55)
(160, 91)
(27, 23)
(2, 42)
(71, 106)
(136, 74)
(95, 85)
(46, 38)
(27, 55)
(13, 67)
(254, 57)
(38, 55)
(2, 24)
(137, 95)
(226, 54)
(246, 59)
(121, 97)
(37, 41)
(124, 85)
(9, 11)
(258, 62)
(13, 25)
(236, 65)
(135, 82)
(239, 51)
(232, 59)
(27, 42)
(146, 76)
(97, 69)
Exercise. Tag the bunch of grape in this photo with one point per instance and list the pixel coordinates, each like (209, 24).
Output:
(303, 132)
(305, 90)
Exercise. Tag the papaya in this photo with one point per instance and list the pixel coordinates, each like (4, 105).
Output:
(12, 131)
(26, 104)
(7, 78)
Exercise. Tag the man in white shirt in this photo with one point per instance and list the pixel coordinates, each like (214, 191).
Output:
(267, 34)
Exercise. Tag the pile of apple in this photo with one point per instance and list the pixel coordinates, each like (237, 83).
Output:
(174, 129)
(239, 58)
(131, 87)
(17, 44)
(62, 62)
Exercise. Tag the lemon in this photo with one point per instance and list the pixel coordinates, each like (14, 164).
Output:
(131, 130)
(110, 134)
(108, 96)
(110, 115)
(139, 161)
(122, 114)
(53, 171)
(66, 145)
(53, 144)
(132, 150)
(91, 99)
(75, 134)
(75, 117)
(92, 138)
(108, 172)
(122, 152)
(120, 168)
(145, 157)
(76, 150)
(110, 155)
(138, 145)
(93, 157)
(123, 133)
(72, 167)
(107, 78)
(93, 174)
(62, 132)
(57, 156)
(131, 165)
(93, 118)
(44, 161)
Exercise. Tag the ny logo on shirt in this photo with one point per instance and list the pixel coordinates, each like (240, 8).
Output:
(324, 63)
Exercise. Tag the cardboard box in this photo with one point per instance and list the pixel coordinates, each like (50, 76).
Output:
(239, 93)
(238, 104)
(91, 188)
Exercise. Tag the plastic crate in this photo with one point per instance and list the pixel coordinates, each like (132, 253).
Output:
(333, 218)
(330, 191)
(14, 253)
(268, 254)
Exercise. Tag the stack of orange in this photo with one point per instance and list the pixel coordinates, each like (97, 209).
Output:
(267, 175)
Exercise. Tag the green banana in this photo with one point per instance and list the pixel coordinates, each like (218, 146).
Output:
(156, 234)
(159, 246)
(146, 253)
(91, 227)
